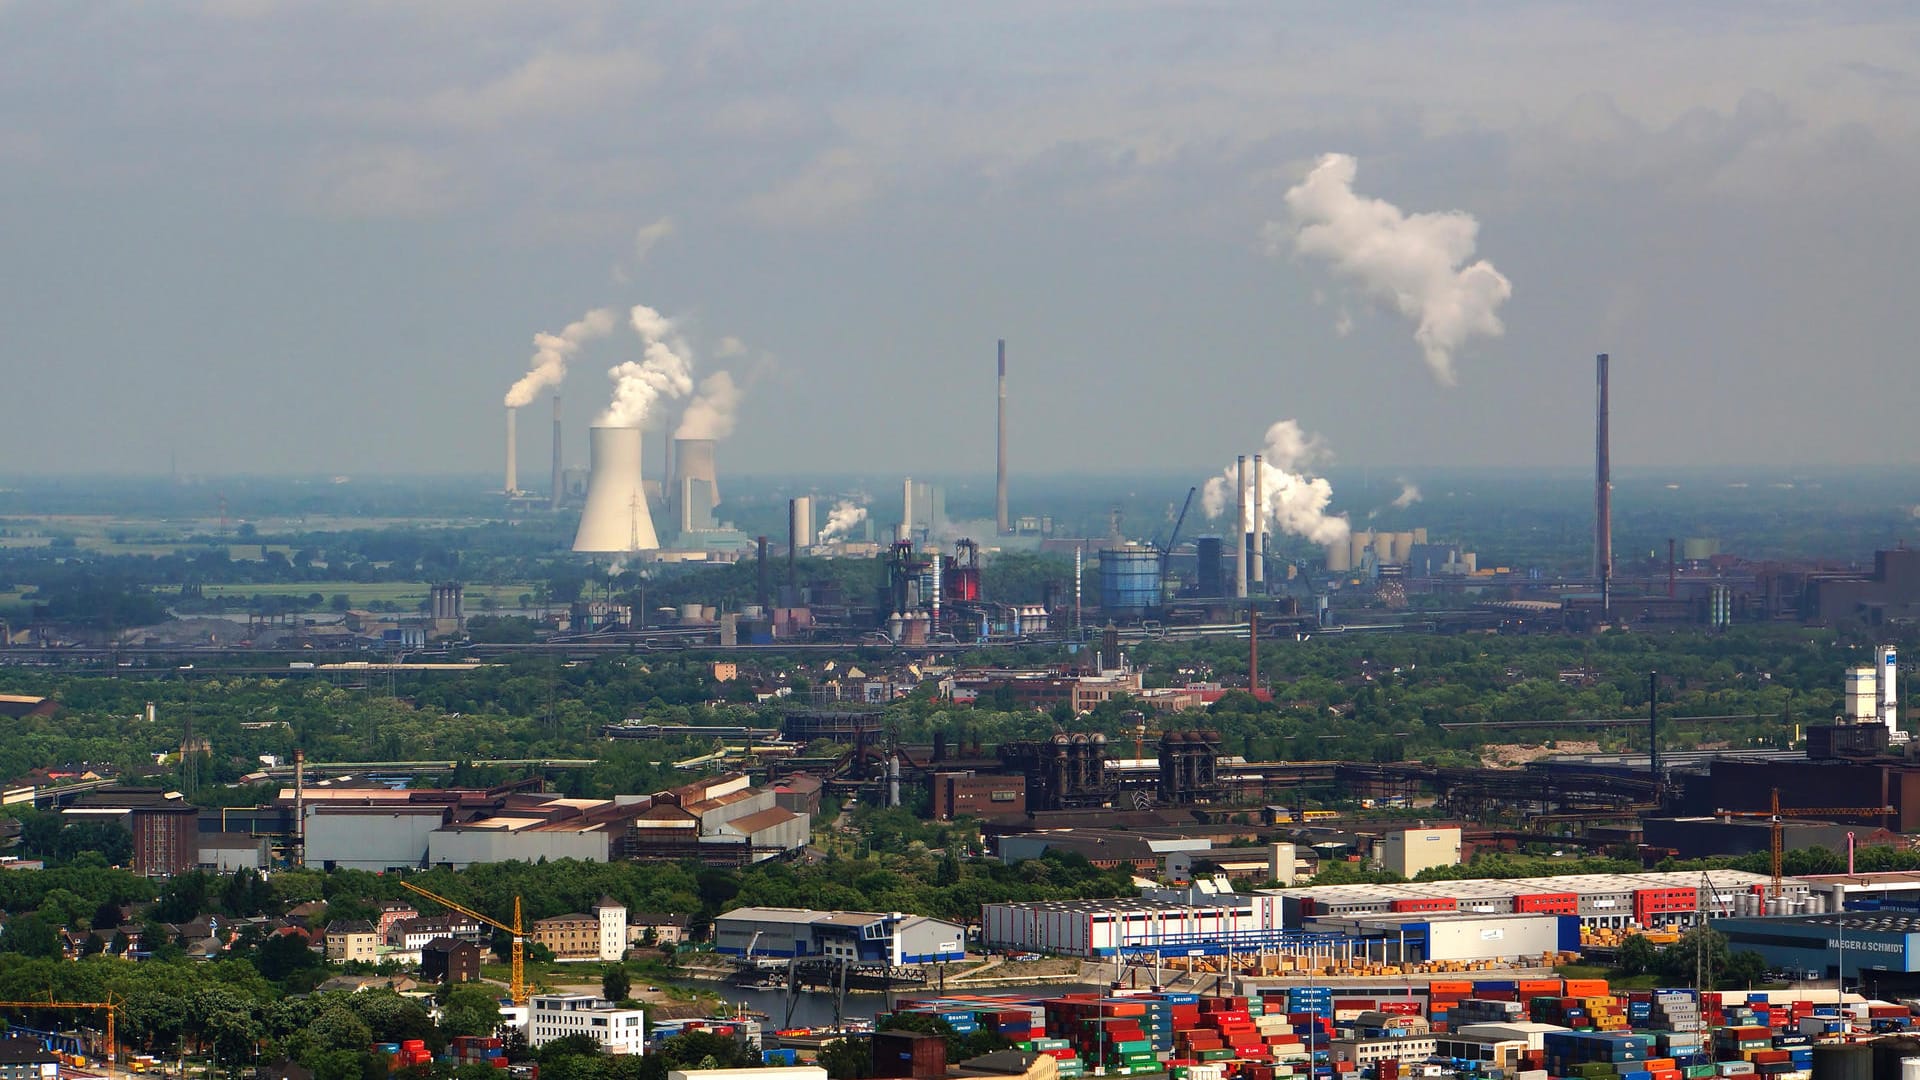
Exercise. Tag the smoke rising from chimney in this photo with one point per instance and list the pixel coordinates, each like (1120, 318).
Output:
(711, 413)
(552, 351)
(1296, 503)
(1409, 494)
(1416, 263)
(663, 371)
(845, 516)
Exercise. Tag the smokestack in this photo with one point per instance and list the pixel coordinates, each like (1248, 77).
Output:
(513, 452)
(906, 511)
(1602, 490)
(694, 470)
(761, 543)
(1240, 533)
(300, 806)
(1653, 724)
(557, 480)
(615, 519)
(1259, 525)
(1000, 470)
(1253, 650)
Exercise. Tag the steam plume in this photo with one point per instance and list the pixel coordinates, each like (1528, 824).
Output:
(1296, 502)
(710, 415)
(661, 371)
(1412, 262)
(1409, 494)
(842, 519)
(552, 351)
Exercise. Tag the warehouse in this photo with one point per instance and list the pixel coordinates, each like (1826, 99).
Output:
(1599, 900)
(1103, 927)
(1884, 944)
(762, 934)
(1418, 938)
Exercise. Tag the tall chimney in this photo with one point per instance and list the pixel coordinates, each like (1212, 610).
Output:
(1602, 490)
(558, 480)
(1253, 651)
(906, 510)
(300, 805)
(761, 543)
(1259, 555)
(1240, 533)
(513, 452)
(1000, 468)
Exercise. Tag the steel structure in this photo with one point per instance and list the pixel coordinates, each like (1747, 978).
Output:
(111, 1006)
(1774, 817)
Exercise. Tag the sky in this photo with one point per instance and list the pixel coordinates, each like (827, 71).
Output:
(255, 237)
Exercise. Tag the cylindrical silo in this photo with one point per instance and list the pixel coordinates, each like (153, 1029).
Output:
(1472, 561)
(1339, 557)
(616, 518)
(1420, 535)
(1357, 545)
(1842, 1061)
(1129, 580)
(1890, 1056)
(1402, 547)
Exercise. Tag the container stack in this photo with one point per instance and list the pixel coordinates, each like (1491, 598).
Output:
(475, 1050)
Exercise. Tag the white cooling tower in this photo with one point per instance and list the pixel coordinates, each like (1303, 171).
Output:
(616, 518)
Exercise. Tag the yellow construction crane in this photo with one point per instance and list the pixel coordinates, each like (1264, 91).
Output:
(111, 1006)
(518, 990)
(1779, 833)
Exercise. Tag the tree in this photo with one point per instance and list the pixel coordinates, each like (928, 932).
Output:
(30, 935)
(846, 1059)
(471, 1009)
(337, 1028)
(1637, 955)
(614, 983)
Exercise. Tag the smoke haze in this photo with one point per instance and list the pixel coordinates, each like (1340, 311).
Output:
(711, 413)
(663, 371)
(1412, 262)
(845, 516)
(1296, 503)
(552, 351)
(1409, 494)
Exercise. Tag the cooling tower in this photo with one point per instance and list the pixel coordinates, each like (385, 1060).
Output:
(616, 518)
(696, 487)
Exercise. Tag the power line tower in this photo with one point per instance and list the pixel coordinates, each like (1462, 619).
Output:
(1706, 900)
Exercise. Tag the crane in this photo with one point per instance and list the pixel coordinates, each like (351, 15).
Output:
(111, 1006)
(518, 989)
(1174, 538)
(1773, 815)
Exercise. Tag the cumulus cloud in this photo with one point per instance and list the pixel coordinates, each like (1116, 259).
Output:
(1416, 264)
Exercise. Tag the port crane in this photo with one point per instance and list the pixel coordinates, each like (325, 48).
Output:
(111, 1006)
(1774, 816)
(518, 988)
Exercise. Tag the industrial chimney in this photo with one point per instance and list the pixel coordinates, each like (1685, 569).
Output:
(558, 482)
(1000, 466)
(513, 452)
(1240, 533)
(616, 518)
(1259, 553)
(696, 486)
(1602, 490)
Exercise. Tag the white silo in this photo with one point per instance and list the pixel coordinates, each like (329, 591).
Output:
(616, 518)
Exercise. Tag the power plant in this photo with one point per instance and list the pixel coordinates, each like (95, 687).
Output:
(696, 485)
(616, 519)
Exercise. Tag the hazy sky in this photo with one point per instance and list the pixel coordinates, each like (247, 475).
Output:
(320, 237)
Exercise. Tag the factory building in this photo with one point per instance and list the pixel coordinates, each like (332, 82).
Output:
(1407, 851)
(1102, 927)
(1849, 944)
(1596, 900)
(1443, 935)
(896, 940)
(556, 1016)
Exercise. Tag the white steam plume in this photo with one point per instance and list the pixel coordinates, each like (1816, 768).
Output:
(1409, 494)
(1417, 263)
(842, 520)
(710, 415)
(661, 371)
(1296, 502)
(552, 351)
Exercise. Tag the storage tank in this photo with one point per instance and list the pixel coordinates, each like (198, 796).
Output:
(1207, 555)
(1357, 545)
(616, 518)
(1129, 580)
(1420, 535)
(1892, 1056)
(1402, 547)
(1339, 557)
(1842, 1061)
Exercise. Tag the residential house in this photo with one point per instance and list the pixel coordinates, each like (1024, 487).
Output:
(414, 934)
(447, 960)
(350, 940)
(656, 927)
(24, 1058)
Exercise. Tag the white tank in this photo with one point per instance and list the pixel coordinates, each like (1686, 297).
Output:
(1339, 561)
(1402, 547)
(616, 518)
(689, 612)
(1910, 1068)
(1357, 544)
